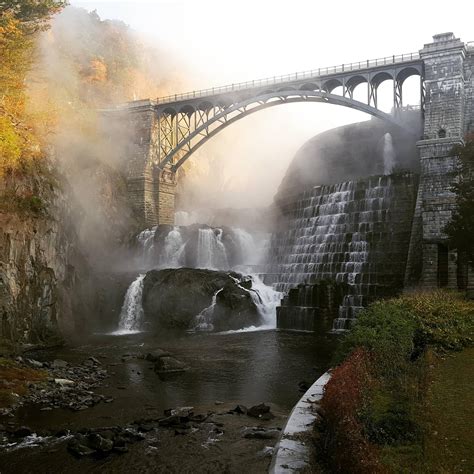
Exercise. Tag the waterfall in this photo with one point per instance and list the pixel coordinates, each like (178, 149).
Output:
(131, 314)
(348, 233)
(247, 247)
(146, 241)
(171, 256)
(211, 252)
(204, 320)
(266, 300)
(388, 154)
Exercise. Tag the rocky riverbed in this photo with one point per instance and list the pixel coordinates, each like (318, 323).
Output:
(201, 403)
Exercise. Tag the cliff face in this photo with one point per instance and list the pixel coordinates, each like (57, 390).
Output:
(40, 288)
(58, 249)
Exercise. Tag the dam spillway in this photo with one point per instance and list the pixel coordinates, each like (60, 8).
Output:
(339, 247)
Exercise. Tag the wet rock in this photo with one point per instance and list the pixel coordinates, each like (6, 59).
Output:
(78, 447)
(59, 364)
(35, 363)
(261, 433)
(64, 382)
(266, 452)
(170, 421)
(267, 416)
(182, 412)
(240, 410)
(169, 365)
(145, 427)
(303, 386)
(200, 418)
(181, 431)
(164, 305)
(99, 443)
(156, 354)
(257, 411)
(22, 432)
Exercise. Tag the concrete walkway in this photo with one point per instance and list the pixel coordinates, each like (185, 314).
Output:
(291, 452)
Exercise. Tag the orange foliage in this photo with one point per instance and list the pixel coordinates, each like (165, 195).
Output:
(344, 444)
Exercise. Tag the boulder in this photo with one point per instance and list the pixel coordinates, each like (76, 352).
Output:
(258, 411)
(99, 443)
(156, 354)
(169, 365)
(173, 298)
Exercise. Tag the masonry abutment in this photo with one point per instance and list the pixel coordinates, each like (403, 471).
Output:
(446, 118)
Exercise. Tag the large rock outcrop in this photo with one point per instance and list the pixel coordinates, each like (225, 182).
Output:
(173, 298)
(41, 289)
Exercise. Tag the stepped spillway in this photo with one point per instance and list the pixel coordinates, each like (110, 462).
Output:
(354, 233)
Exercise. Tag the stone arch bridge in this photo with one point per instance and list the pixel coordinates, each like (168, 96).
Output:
(166, 131)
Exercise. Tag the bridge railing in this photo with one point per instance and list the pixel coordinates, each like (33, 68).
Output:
(311, 74)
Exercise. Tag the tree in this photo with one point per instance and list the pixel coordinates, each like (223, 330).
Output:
(33, 15)
(460, 230)
(20, 20)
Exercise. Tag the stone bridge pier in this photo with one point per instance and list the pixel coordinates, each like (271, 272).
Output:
(151, 190)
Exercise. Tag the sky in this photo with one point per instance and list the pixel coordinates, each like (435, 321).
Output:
(227, 41)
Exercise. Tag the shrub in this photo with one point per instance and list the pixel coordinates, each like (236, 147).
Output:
(377, 395)
(445, 319)
(343, 445)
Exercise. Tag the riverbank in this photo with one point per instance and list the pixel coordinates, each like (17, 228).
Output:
(223, 371)
(397, 400)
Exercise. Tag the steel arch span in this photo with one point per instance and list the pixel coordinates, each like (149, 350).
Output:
(183, 130)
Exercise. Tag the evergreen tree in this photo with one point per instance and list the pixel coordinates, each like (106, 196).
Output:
(460, 229)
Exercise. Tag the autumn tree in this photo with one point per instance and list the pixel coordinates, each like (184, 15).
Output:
(460, 229)
(20, 21)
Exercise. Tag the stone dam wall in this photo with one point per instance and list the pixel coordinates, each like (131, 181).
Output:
(341, 246)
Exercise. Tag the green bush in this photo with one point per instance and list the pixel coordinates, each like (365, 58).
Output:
(398, 338)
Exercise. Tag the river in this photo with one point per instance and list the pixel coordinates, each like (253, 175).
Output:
(225, 369)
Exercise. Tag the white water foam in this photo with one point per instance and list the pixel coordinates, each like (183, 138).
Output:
(211, 252)
(388, 154)
(203, 321)
(131, 314)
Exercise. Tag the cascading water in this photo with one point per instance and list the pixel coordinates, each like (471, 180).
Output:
(266, 299)
(146, 242)
(211, 252)
(248, 249)
(131, 314)
(347, 233)
(204, 321)
(388, 154)
(172, 254)
(199, 248)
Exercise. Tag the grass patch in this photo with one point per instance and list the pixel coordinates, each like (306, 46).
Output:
(400, 399)
(14, 379)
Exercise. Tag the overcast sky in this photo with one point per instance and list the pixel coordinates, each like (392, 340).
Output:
(226, 41)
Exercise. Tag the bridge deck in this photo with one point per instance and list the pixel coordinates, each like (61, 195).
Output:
(296, 78)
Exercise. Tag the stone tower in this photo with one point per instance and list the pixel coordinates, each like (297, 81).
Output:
(151, 190)
(448, 117)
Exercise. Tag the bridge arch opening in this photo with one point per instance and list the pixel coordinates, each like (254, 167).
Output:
(224, 118)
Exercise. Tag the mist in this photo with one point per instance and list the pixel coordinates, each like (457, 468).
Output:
(84, 65)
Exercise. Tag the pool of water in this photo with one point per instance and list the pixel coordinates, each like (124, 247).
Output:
(246, 368)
